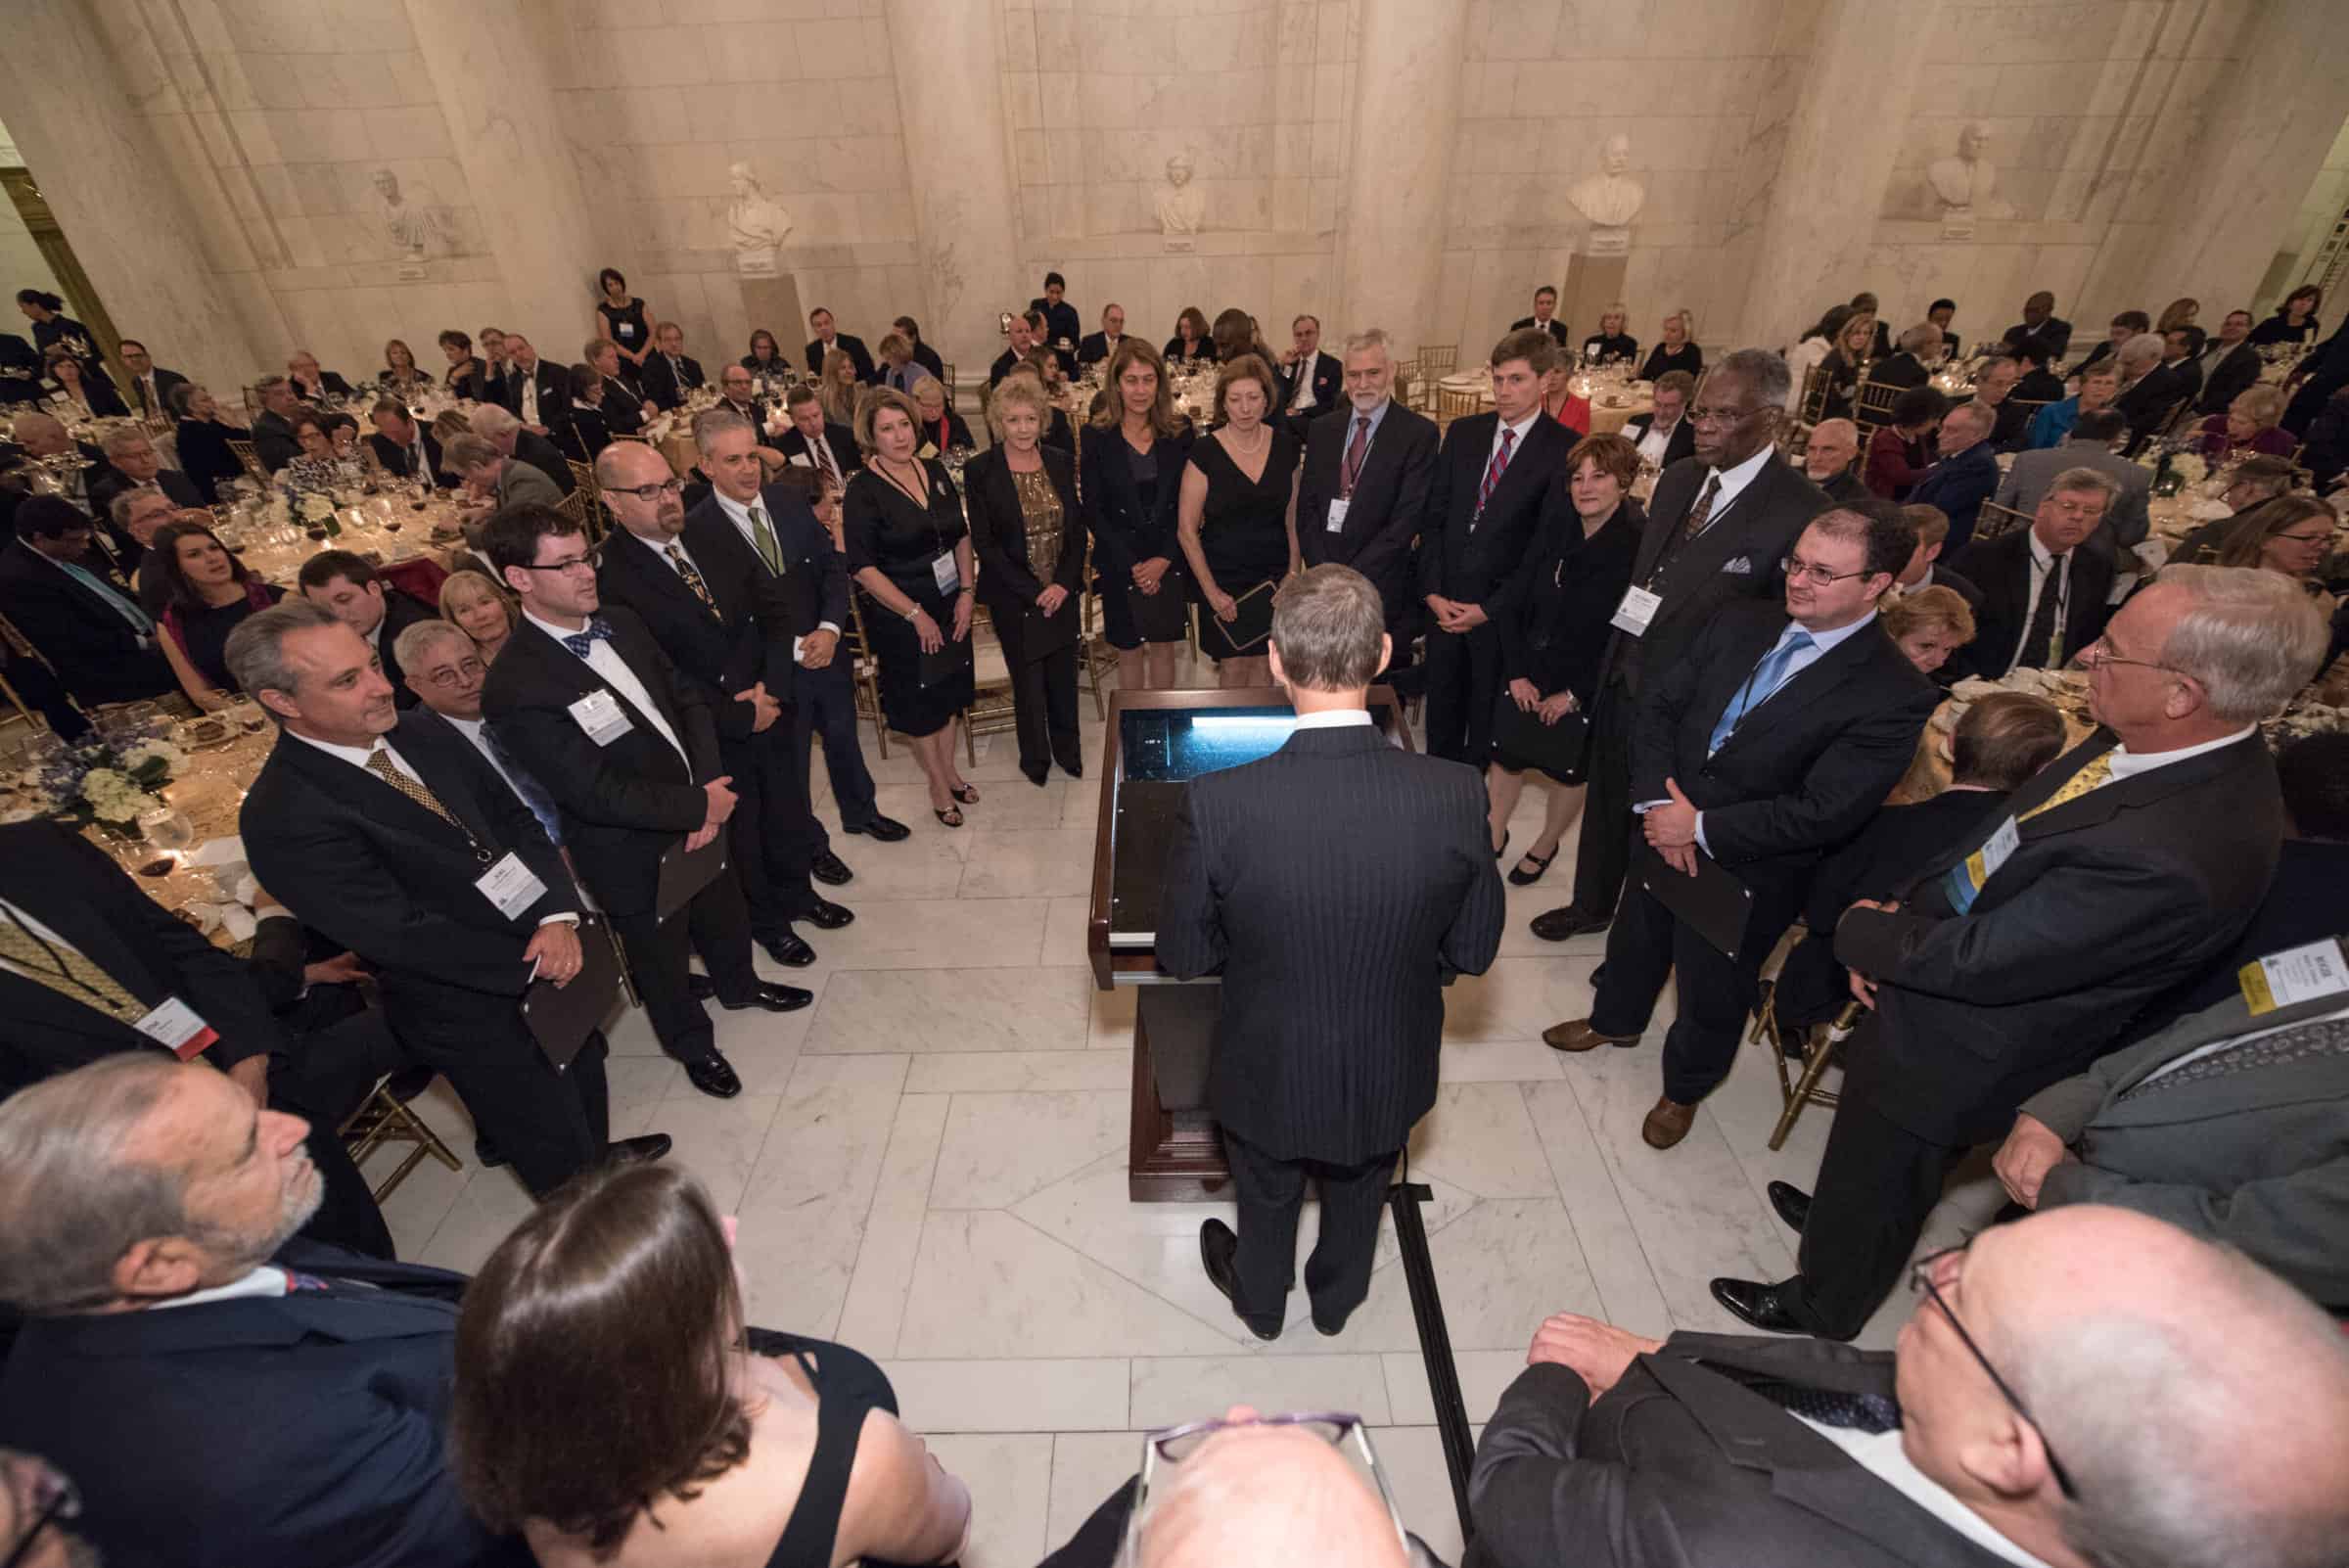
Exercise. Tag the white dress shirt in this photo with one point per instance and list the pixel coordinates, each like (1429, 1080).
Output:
(1654, 443)
(740, 516)
(1334, 718)
(1733, 481)
(2128, 765)
(1881, 1456)
(530, 398)
(1304, 399)
(606, 661)
(2043, 567)
(1516, 441)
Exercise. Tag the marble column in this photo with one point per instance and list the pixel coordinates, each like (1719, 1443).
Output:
(2272, 121)
(88, 142)
(958, 157)
(1818, 216)
(489, 65)
(1406, 113)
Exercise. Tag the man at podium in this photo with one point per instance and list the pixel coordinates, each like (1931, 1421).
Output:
(1336, 884)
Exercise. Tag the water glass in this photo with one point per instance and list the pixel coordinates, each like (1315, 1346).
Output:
(167, 829)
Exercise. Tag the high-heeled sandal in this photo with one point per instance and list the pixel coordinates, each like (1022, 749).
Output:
(1540, 863)
(951, 816)
(967, 794)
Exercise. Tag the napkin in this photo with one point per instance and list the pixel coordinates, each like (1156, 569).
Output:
(229, 850)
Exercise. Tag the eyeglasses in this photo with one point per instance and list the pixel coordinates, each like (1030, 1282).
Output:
(1804, 570)
(54, 1497)
(1920, 1278)
(2099, 652)
(463, 671)
(647, 493)
(1174, 1443)
(1706, 414)
(572, 564)
(2325, 538)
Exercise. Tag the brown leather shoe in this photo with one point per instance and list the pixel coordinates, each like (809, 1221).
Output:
(1576, 1035)
(1667, 1124)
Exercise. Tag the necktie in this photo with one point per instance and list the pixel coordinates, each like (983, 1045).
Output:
(542, 807)
(764, 536)
(693, 578)
(2299, 1043)
(1356, 450)
(146, 404)
(1861, 1413)
(64, 970)
(596, 629)
(2042, 644)
(1768, 676)
(380, 763)
(1493, 470)
(2095, 772)
(821, 447)
(1702, 512)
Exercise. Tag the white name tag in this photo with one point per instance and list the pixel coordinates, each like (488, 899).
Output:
(2002, 846)
(1337, 515)
(510, 886)
(178, 1029)
(600, 714)
(943, 570)
(801, 460)
(2295, 975)
(1638, 608)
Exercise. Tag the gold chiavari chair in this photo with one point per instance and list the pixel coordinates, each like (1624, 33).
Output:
(1872, 409)
(582, 478)
(947, 377)
(991, 712)
(1410, 387)
(1095, 656)
(381, 1120)
(864, 673)
(1995, 520)
(1816, 386)
(1438, 360)
(1815, 1050)
(575, 507)
(2030, 407)
(244, 453)
(1455, 402)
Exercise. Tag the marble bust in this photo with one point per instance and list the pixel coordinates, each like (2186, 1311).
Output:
(1964, 186)
(756, 225)
(1181, 206)
(409, 227)
(1611, 198)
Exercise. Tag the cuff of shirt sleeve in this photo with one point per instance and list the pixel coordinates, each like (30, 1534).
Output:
(828, 626)
(569, 917)
(1642, 807)
(1700, 834)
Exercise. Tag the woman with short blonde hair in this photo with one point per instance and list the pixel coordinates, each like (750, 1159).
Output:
(1928, 624)
(480, 609)
(2248, 426)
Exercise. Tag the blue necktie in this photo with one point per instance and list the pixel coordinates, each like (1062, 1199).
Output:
(541, 804)
(598, 630)
(1759, 686)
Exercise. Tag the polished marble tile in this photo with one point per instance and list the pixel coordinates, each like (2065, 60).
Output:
(718, 1141)
(927, 865)
(1066, 923)
(1517, 998)
(1484, 1375)
(1040, 863)
(926, 1010)
(492, 1205)
(999, 1148)
(1611, 1245)
(1500, 1061)
(1169, 1391)
(1010, 1477)
(1412, 1459)
(1479, 1137)
(875, 1303)
(637, 1081)
(1088, 1468)
(803, 1205)
(765, 1047)
(1499, 1268)
(1011, 803)
(1043, 1394)
(942, 933)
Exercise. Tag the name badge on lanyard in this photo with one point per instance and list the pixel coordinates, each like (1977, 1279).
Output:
(1638, 608)
(178, 1029)
(2294, 975)
(510, 886)
(1337, 517)
(600, 714)
(947, 576)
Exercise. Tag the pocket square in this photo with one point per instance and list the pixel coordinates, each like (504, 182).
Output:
(1739, 565)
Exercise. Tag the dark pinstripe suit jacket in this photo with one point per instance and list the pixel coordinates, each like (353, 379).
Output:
(1336, 883)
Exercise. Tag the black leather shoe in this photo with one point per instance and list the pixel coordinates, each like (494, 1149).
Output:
(1556, 925)
(831, 870)
(887, 829)
(824, 917)
(1075, 770)
(699, 985)
(1792, 1203)
(1218, 1247)
(1329, 1330)
(487, 1155)
(714, 1076)
(774, 999)
(1764, 1305)
(647, 1148)
(788, 948)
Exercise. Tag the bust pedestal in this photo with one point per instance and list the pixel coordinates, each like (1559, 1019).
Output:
(1609, 241)
(1593, 282)
(772, 303)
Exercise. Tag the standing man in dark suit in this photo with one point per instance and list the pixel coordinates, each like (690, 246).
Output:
(2042, 327)
(593, 709)
(149, 392)
(91, 631)
(1494, 476)
(1096, 346)
(1335, 884)
(273, 442)
(406, 448)
(1664, 434)
(815, 443)
(538, 391)
(2228, 365)
(2022, 1421)
(1764, 747)
(1719, 528)
(397, 840)
(829, 337)
(670, 372)
(1966, 472)
(701, 585)
(2043, 596)
(91, 967)
(1361, 492)
(223, 1391)
(342, 582)
(1544, 316)
(1309, 379)
(2017, 960)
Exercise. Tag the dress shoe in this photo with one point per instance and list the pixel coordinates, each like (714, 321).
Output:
(887, 829)
(1075, 769)
(788, 948)
(647, 1148)
(487, 1155)
(1556, 925)
(1576, 1035)
(1766, 1307)
(774, 999)
(714, 1076)
(1667, 1124)
(1792, 1203)
(1218, 1248)
(824, 915)
(701, 985)
(831, 870)
(1329, 1330)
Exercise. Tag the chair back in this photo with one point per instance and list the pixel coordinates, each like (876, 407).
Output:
(1994, 521)
(1438, 358)
(947, 377)
(1816, 386)
(2030, 407)
(1454, 402)
(1872, 409)
(244, 453)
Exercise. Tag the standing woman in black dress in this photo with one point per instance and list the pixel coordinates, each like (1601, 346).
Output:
(51, 327)
(1132, 459)
(1238, 521)
(621, 318)
(1031, 544)
(910, 552)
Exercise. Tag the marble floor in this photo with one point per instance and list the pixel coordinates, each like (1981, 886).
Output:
(928, 1164)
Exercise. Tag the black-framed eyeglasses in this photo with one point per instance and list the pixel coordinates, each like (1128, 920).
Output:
(1706, 414)
(55, 1497)
(574, 564)
(1920, 1278)
(647, 493)
(1171, 1444)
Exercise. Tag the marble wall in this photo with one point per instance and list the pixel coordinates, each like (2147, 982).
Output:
(21, 264)
(2300, 258)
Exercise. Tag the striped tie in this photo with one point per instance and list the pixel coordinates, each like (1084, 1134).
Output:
(1492, 472)
(692, 577)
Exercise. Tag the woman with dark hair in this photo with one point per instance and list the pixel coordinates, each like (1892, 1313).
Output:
(923, 355)
(468, 373)
(2290, 536)
(317, 469)
(1190, 341)
(2294, 320)
(612, 1406)
(1239, 528)
(1898, 453)
(1234, 333)
(202, 439)
(1809, 351)
(199, 593)
(399, 370)
(621, 317)
(765, 358)
(52, 327)
(587, 433)
(91, 397)
(1132, 457)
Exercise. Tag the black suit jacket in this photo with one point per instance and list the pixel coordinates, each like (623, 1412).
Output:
(69, 884)
(745, 639)
(2055, 335)
(107, 483)
(2303, 904)
(273, 440)
(135, 397)
(842, 440)
(1386, 511)
(2146, 404)
(1008, 584)
(2000, 570)
(186, 1427)
(554, 394)
(401, 611)
(855, 349)
(1463, 556)
(1901, 370)
(205, 457)
(546, 457)
(1681, 442)
(1552, 616)
(1125, 533)
(1938, 575)
(1682, 1462)
(97, 654)
(401, 460)
(2108, 902)
(1329, 382)
(330, 384)
(1556, 329)
(625, 803)
(663, 386)
(623, 406)
(1093, 348)
(1335, 882)
(2233, 375)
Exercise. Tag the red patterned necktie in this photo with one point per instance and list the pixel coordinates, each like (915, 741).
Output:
(1356, 450)
(1493, 470)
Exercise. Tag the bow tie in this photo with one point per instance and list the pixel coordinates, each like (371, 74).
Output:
(598, 630)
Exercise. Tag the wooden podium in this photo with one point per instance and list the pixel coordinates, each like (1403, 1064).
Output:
(1155, 743)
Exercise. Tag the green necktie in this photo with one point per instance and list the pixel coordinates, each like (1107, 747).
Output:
(765, 538)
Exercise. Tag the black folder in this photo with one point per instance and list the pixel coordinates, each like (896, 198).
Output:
(1555, 749)
(1040, 634)
(1713, 904)
(684, 873)
(1243, 636)
(1159, 615)
(560, 1018)
(952, 658)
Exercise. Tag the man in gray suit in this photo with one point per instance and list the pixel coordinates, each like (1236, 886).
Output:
(2090, 445)
(2084, 1386)
(2230, 1124)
